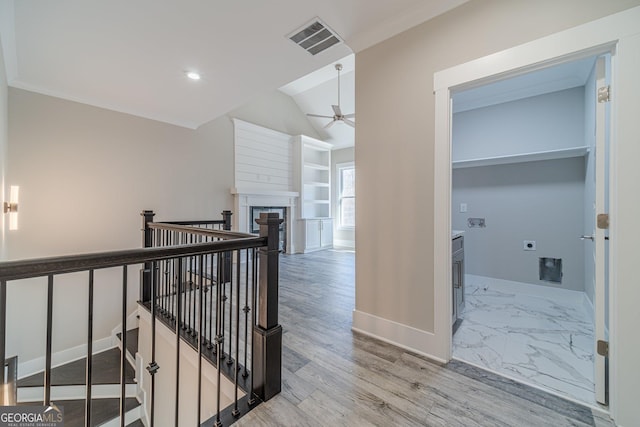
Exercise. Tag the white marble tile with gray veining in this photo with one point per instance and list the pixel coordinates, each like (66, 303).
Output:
(539, 335)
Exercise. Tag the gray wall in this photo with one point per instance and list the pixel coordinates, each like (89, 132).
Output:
(589, 183)
(539, 123)
(541, 201)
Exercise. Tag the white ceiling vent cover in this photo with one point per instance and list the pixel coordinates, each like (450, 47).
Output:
(315, 37)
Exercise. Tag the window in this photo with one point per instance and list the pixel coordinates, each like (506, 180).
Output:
(346, 195)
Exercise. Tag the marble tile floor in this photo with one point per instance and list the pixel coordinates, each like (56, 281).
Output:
(540, 336)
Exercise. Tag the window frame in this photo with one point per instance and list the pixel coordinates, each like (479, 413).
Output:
(339, 197)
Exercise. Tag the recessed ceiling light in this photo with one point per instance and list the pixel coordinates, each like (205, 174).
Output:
(193, 75)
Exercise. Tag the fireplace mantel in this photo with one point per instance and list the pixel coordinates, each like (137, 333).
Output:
(245, 198)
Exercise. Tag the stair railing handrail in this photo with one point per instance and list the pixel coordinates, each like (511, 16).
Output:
(221, 234)
(38, 267)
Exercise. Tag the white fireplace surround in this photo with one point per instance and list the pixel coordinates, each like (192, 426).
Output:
(245, 198)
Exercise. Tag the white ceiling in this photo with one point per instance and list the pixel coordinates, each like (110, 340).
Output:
(131, 56)
(316, 92)
(563, 76)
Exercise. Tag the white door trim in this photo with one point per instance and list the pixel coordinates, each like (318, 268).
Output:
(603, 35)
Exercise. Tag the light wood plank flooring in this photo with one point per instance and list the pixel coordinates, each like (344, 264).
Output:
(332, 376)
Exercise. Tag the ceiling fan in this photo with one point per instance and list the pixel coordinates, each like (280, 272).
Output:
(337, 112)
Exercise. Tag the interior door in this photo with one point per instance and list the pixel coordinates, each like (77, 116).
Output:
(600, 253)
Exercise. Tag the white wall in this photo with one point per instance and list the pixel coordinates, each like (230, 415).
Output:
(4, 138)
(540, 201)
(166, 376)
(341, 237)
(86, 173)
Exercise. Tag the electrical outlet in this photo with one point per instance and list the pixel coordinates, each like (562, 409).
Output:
(529, 245)
(463, 207)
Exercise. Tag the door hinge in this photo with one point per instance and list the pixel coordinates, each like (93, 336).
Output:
(603, 348)
(603, 221)
(604, 93)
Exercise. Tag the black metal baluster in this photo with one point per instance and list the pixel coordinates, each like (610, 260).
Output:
(236, 411)
(3, 338)
(188, 297)
(47, 368)
(153, 366)
(165, 285)
(178, 314)
(89, 366)
(172, 283)
(200, 336)
(223, 285)
(230, 359)
(123, 354)
(211, 284)
(219, 341)
(254, 320)
(246, 310)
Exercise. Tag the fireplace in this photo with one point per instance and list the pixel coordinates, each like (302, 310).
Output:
(254, 228)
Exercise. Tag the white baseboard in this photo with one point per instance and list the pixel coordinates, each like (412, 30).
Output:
(347, 244)
(403, 336)
(63, 357)
(129, 417)
(73, 392)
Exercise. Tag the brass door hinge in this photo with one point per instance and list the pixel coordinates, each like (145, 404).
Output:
(604, 94)
(603, 348)
(603, 221)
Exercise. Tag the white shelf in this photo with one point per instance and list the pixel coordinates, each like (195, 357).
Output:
(316, 166)
(563, 153)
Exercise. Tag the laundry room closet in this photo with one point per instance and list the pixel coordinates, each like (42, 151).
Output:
(522, 192)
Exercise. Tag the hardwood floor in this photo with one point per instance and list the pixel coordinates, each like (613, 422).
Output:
(334, 376)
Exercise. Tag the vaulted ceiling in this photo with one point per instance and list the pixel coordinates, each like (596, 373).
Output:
(132, 56)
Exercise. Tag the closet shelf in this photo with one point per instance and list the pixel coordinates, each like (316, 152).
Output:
(563, 153)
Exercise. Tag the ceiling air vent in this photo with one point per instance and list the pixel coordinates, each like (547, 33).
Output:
(315, 37)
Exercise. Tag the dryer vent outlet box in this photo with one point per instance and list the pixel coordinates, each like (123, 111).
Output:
(550, 269)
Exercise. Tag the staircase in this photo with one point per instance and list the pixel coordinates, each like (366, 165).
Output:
(68, 388)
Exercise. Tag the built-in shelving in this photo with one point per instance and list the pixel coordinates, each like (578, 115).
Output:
(313, 175)
(563, 153)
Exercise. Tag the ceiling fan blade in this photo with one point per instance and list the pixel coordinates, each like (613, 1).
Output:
(350, 116)
(349, 122)
(328, 125)
(336, 109)
(321, 116)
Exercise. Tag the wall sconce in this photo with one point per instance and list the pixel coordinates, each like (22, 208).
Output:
(11, 207)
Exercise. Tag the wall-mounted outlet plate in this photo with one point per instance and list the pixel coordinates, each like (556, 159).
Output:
(476, 222)
(529, 245)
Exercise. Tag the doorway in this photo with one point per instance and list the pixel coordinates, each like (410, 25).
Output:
(523, 194)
